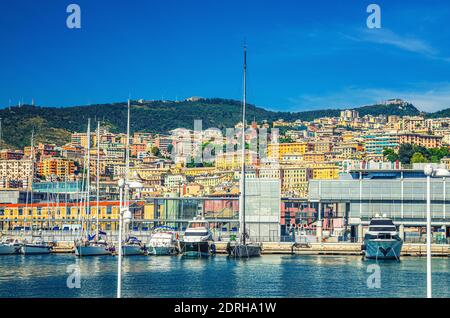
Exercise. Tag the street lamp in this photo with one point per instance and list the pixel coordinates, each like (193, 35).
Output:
(430, 172)
(124, 215)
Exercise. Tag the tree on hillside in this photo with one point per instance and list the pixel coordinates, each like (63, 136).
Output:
(405, 153)
(155, 151)
(390, 154)
(417, 157)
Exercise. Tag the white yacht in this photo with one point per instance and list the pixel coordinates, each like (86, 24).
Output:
(9, 246)
(198, 239)
(36, 246)
(163, 241)
(382, 240)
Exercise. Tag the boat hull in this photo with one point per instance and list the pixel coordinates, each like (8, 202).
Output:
(162, 250)
(130, 250)
(383, 249)
(9, 249)
(91, 250)
(195, 249)
(244, 250)
(34, 249)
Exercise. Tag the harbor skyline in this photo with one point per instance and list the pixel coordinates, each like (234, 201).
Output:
(321, 171)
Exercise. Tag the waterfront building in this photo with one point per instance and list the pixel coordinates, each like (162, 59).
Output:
(400, 194)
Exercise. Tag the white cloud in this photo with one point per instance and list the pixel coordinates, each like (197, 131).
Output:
(386, 36)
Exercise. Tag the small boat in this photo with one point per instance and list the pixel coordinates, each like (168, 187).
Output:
(198, 240)
(37, 246)
(91, 247)
(133, 246)
(87, 248)
(9, 246)
(382, 240)
(235, 249)
(163, 241)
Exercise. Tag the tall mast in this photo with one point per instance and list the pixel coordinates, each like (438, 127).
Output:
(32, 166)
(98, 174)
(127, 155)
(1, 133)
(88, 173)
(127, 159)
(243, 230)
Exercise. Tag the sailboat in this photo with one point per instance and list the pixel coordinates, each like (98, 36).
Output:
(9, 246)
(92, 245)
(37, 245)
(243, 248)
(131, 245)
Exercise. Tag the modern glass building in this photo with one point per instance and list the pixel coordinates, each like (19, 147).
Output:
(402, 199)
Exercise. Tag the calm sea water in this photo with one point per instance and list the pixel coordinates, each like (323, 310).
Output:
(219, 276)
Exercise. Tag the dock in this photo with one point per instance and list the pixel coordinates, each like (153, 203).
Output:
(409, 249)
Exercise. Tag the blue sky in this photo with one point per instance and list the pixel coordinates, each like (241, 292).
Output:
(302, 54)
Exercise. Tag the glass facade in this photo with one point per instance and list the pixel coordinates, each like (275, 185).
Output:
(400, 199)
(262, 209)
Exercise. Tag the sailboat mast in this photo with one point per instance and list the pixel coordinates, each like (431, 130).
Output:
(243, 230)
(88, 174)
(32, 167)
(98, 174)
(127, 159)
(127, 156)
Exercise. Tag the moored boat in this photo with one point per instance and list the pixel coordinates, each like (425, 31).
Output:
(163, 241)
(36, 246)
(9, 246)
(382, 240)
(197, 240)
(133, 246)
(88, 248)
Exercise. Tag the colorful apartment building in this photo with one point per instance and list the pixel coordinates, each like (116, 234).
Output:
(428, 141)
(277, 151)
(60, 168)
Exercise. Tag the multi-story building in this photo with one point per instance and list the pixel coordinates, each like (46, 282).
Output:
(294, 180)
(7, 154)
(233, 160)
(60, 168)
(375, 144)
(428, 141)
(276, 151)
(16, 172)
(325, 171)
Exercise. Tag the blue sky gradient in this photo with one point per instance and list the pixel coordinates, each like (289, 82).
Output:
(301, 54)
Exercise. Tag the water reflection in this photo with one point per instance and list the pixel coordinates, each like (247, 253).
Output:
(219, 276)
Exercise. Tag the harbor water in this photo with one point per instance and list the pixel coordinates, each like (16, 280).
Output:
(220, 276)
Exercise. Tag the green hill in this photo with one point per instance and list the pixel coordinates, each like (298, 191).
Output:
(55, 124)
